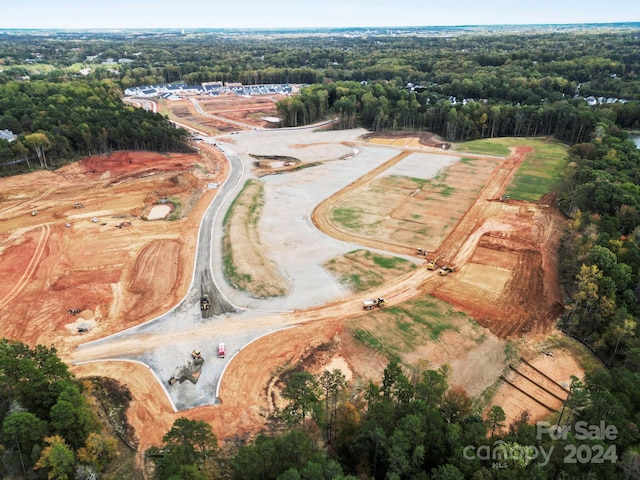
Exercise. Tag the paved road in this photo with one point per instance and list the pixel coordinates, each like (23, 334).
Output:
(165, 361)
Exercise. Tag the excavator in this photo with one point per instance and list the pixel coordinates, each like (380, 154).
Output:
(433, 264)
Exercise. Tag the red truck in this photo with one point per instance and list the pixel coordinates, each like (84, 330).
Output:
(221, 350)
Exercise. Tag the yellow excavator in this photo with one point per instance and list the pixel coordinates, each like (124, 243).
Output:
(433, 264)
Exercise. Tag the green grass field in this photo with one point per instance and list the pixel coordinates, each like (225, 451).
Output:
(540, 172)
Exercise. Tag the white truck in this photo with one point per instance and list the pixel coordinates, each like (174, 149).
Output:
(374, 302)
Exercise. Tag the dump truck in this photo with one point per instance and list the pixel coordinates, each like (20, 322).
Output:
(422, 251)
(374, 302)
(446, 270)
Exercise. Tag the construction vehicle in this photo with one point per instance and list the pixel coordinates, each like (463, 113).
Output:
(445, 270)
(504, 198)
(34, 213)
(221, 350)
(173, 380)
(197, 357)
(433, 264)
(422, 251)
(78, 205)
(204, 302)
(374, 302)
(73, 311)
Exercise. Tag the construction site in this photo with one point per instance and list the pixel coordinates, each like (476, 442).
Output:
(112, 247)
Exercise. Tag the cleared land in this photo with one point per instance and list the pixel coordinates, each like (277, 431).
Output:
(504, 252)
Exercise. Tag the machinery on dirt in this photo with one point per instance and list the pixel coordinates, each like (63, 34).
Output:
(34, 213)
(422, 251)
(197, 357)
(173, 380)
(78, 205)
(204, 302)
(73, 311)
(433, 264)
(374, 302)
(504, 198)
(446, 270)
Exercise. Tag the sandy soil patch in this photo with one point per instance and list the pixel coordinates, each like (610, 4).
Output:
(159, 211)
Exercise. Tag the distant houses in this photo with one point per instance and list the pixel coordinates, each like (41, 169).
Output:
(8, 135)
(175, 91)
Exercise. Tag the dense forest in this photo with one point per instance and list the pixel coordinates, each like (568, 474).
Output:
(61, 121)
(462, 85)
(405, 426)
(408, 425)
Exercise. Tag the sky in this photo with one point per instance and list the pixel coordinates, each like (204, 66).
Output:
(90, 14)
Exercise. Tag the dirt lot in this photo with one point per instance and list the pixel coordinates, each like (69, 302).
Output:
(504, 254)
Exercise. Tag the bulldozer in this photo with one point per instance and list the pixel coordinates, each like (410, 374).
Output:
(446, 270)
(433, 264)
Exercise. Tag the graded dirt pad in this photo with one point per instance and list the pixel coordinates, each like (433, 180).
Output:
(225, 113)
(249, 110)
(72, 257)
(184, 111)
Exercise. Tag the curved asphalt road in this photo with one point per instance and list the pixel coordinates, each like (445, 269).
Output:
(198, 385)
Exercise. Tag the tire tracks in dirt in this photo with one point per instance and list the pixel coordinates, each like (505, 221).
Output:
(31, 267)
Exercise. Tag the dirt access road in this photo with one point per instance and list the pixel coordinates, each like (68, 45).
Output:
(109, 267)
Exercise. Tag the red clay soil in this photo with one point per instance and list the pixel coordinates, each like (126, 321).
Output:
(61, 259)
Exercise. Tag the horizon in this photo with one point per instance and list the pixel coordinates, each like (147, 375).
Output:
(319, 14)
(186, 30)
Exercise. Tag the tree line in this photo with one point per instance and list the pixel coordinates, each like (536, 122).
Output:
(385, 106)
(48, 427)
(410, 424)
(58, 122)
(494, 64)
